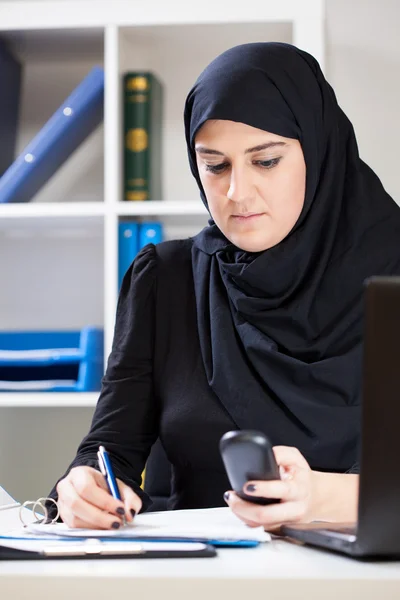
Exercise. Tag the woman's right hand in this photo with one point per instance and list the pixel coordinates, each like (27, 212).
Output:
(84, 500)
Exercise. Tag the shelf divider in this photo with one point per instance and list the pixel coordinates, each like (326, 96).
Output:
(48, 399)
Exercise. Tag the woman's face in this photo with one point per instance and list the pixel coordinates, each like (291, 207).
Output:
(254, 182)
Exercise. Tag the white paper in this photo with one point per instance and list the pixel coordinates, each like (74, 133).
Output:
(6, 500)
(202, 524)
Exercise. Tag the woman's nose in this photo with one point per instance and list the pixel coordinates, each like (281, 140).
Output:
(241, 187)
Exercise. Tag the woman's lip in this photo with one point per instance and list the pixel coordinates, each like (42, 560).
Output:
(247, 216)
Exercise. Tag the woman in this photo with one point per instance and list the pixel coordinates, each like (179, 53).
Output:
(257, 321)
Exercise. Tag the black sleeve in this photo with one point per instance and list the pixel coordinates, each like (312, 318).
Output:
(126, 417)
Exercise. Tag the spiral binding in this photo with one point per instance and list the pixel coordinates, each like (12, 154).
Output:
(36, 505)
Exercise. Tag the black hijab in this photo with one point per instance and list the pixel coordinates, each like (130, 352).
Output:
(281, 330)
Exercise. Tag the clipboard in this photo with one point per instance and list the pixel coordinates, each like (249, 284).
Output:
(95, 549)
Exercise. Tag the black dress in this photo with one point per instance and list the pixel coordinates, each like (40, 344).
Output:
(155, 385)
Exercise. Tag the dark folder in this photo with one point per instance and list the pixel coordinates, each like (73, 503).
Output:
(10, 89)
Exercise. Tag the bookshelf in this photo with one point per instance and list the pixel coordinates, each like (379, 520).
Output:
(80, 207)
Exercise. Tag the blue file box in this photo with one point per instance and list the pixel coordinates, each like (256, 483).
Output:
(53, 361)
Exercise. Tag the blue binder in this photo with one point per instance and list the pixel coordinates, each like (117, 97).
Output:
(150, 233)
(10, 88)
(72, 122)
(127, 246)
(132, 236)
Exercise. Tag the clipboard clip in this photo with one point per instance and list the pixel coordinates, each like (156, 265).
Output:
(94, 547)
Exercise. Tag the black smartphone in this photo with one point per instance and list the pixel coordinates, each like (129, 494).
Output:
(248, 456)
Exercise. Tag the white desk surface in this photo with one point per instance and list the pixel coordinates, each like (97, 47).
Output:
(278, 570)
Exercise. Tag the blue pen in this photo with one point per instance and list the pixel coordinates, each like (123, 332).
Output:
(106, 469)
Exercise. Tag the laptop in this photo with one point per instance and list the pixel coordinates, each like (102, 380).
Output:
(377, 531)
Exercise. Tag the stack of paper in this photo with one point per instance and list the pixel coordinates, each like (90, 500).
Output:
(218, 526)
(215, 526)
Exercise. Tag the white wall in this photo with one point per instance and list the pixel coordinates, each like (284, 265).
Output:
(36, 445)
(363, 65)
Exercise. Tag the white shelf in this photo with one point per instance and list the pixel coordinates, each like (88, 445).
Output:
(58, 42)
(159, 207)
(82, 13)
(51, 218)
(48, 399)
(34, 210)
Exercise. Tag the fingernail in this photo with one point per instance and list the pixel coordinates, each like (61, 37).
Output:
(133, 512)
(120, 511)
(115, 525)
(250, 487)
(285, 474)
(226, 496)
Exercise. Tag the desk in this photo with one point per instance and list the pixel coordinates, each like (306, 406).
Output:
(278, 570)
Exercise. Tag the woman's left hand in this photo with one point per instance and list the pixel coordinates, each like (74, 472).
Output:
(295, 490)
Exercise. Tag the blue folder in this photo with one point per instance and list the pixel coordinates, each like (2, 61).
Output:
(72, 122)
(127, 246)
(132, 236)
(150, 233)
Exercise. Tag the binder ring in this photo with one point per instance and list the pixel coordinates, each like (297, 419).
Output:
(36, 504)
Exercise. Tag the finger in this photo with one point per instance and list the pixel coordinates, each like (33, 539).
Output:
(251, 524)
(72, 520)
(268, 516)
(89, 486)
(286, 472)
(69, 518)
(247, 521)
(289, 455)
(235, 504)
(132, 502)
(285, 512)
(77, 508)
(276, 489)
(244, 510)
(99, 479)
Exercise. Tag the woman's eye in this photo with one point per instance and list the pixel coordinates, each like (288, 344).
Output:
(264, 164)
(216, 168)
(268, 164)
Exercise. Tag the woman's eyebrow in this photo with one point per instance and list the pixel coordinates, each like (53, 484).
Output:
(205, 150)
(264, 146)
